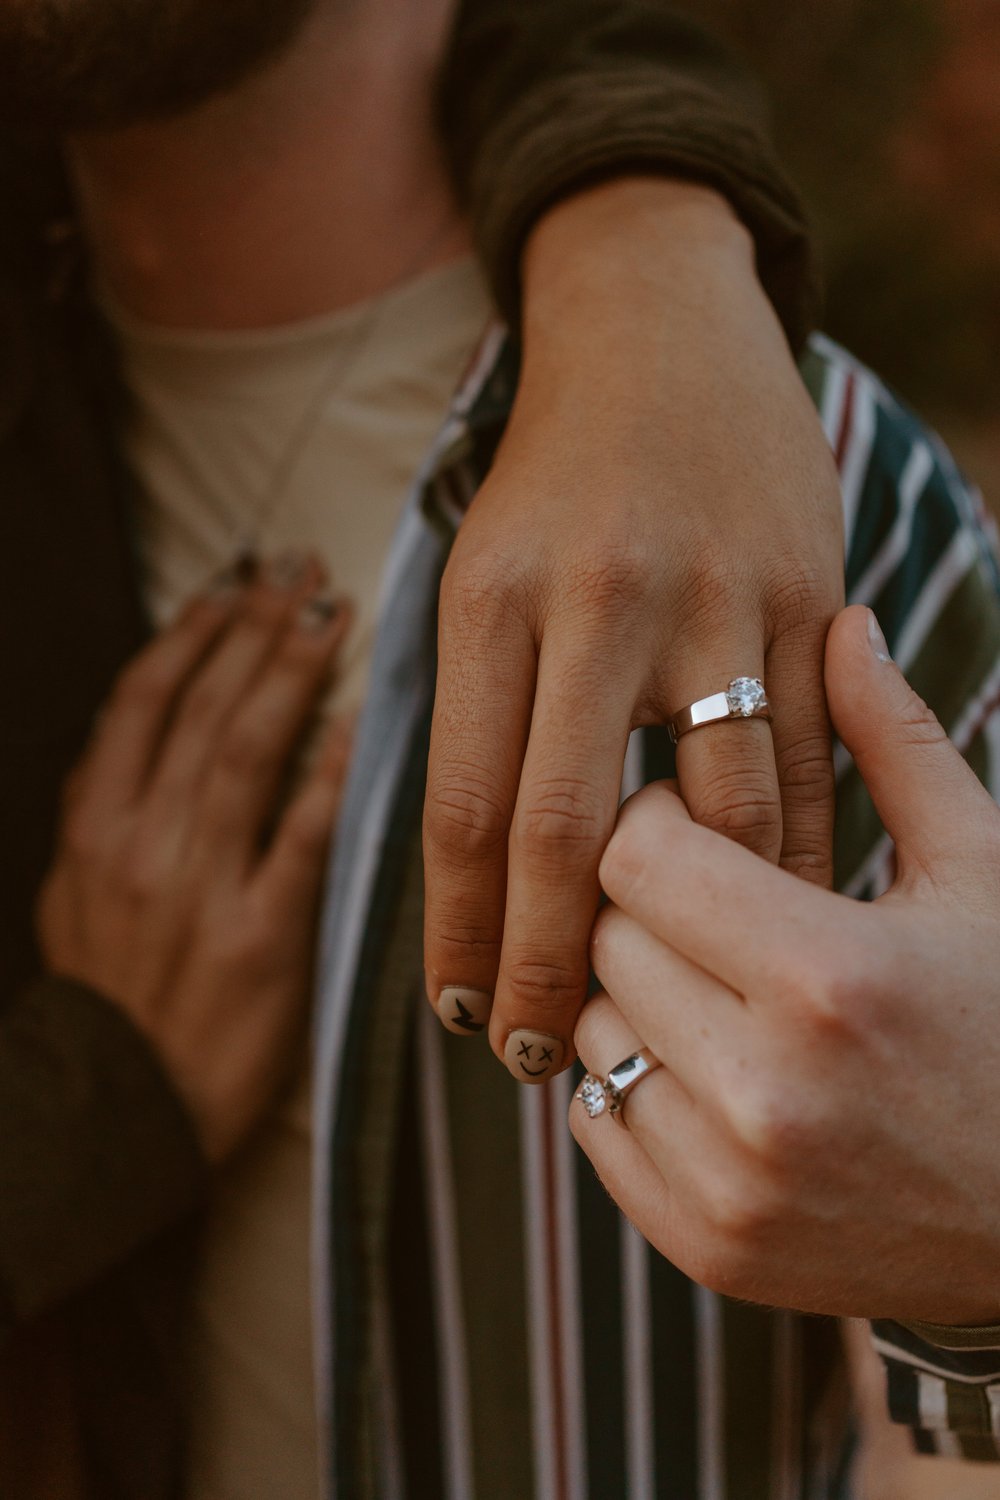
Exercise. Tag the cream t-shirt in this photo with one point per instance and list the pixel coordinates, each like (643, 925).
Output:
(215, 417)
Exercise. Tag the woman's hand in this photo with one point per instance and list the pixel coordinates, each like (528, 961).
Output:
(173, 892)
(664, 515)
(822, 1134)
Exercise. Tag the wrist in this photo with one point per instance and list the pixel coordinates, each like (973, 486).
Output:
(628, 236)
(633, 279)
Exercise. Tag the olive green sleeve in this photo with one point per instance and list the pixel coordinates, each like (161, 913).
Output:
(539, 98)
(97, 1153)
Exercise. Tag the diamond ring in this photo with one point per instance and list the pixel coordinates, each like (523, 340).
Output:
(597, 1095)
(744, 698)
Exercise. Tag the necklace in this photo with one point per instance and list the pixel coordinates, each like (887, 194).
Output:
(247, 539)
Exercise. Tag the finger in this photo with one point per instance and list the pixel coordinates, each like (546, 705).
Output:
(566, 807)
(255, 747)
(292, 870)
(658, 1110)
(926, 795)
(682, 1012)
(739, 918)
(803, 754)
(727, 771)
(482, 711)
(669, 1171)
(223, 683)
(132, 723)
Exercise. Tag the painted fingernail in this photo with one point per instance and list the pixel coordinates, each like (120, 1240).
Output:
(465, 1012)
(232, 580)
(877, 640)
(317, 613)
(287, 571)
(532, 1057)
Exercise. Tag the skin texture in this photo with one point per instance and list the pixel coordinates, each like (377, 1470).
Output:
(181, 890)
(819, 1136)
(685, 529)
(663, 514)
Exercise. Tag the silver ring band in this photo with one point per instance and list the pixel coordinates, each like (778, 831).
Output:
(744, 698)
(597, 1095)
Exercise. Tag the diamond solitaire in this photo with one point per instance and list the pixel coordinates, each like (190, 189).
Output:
(746, 696)
(593, 1096)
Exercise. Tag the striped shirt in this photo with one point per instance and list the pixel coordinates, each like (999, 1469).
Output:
(488, 1326)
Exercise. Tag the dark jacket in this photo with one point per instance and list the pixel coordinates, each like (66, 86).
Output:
(100, 1170)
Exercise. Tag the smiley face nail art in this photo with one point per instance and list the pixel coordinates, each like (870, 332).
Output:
(532, 1057)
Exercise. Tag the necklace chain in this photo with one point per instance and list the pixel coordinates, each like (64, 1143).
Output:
(247, 541)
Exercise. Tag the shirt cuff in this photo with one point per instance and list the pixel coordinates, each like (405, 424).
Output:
(97, 1152)
(943, 1336)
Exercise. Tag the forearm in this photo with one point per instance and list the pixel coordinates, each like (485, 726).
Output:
(97, 1155)
(634, 275)
(538, 103)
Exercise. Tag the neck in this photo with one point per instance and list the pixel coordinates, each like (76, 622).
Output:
(314, 185)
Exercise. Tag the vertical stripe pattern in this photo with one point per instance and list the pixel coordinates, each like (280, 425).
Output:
(488, 1328)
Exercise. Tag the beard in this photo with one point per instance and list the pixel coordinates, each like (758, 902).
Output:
(70, 65)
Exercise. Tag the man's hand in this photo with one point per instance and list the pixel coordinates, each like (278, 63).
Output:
(664, 515)
(173, 892)
(822, 1134)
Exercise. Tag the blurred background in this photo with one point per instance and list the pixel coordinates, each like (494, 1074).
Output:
(887, 112)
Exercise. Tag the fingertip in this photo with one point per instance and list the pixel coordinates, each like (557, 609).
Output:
(855, 671)
(646, 816)
(853, 633)
(533, 1057)
(463, 1011)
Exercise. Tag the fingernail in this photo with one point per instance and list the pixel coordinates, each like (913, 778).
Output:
(465, 1012)
(532, 1057)
(287, 571)
(317, 613)
(233, 579)
(877, 640)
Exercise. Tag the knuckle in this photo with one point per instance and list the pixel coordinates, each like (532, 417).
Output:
(233, 950)
(478, 592)
(838, 1000)
(201, 704)
(608, 581)
(307, 835)
(244, 750)
(144, 682)
(806, 768)
(464, 819)
(560, 821)
(463, 940)
(810, 859)
(141, 877)
(798, 595)
(778, 1127)
(713, 581)
(546, 985)
(745, 807)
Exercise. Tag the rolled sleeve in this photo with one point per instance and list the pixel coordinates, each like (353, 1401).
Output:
(538, 102)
